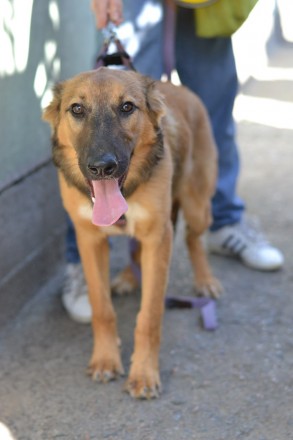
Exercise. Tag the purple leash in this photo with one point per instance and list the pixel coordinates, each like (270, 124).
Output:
(206, 306)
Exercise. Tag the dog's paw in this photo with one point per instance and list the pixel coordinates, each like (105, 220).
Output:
(125, 282)
(209, 287)
(144, 386)
(105, 370)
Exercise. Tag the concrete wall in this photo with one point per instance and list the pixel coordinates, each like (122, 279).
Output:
(40, 43)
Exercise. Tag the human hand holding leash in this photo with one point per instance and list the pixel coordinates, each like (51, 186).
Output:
(106, 11)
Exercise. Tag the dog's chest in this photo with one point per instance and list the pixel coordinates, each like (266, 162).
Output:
(136, 213)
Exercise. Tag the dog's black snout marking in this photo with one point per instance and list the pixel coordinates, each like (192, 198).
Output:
(104, 166)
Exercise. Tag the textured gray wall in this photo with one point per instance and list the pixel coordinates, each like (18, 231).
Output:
(41, 42)
(59, 40)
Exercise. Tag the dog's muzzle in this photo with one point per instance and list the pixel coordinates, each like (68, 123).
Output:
(105, 176)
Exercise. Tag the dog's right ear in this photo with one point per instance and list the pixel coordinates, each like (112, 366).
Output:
(154, 99)
(51, 113)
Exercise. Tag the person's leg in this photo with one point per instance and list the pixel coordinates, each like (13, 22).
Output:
(74, 293)
(207, 67)
(71, 250)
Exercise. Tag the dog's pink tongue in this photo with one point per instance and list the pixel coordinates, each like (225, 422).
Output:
(109, 204)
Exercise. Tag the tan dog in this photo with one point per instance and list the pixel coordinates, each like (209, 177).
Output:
(130, 153)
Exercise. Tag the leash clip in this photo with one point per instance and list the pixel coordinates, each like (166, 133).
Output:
(110, 33)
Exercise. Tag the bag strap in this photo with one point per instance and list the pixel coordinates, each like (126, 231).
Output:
(169, 37)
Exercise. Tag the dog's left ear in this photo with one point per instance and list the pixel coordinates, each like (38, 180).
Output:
(154, 100)
(51, 113)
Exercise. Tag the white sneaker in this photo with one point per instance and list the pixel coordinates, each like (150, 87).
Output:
(75, 296)
(245, 241)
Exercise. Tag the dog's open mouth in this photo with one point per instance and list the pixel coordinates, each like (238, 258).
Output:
(109, 203)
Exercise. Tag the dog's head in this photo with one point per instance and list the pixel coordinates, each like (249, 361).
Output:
(104, 121)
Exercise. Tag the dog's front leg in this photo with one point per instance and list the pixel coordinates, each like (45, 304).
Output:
(144, 377)
(105, 363)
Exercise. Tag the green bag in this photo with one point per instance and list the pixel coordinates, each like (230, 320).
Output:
(222, 18)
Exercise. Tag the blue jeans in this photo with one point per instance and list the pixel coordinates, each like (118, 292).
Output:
(207, 67)
(71, 250)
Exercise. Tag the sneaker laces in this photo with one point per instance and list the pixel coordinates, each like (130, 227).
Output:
(251, 230)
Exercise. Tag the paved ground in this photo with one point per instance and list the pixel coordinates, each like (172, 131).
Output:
(234, 383)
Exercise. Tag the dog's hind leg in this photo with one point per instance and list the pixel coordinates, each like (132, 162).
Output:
(196, 210)
(129, 278)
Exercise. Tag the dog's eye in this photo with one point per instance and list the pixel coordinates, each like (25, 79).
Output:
(77, 110)
(127, 107)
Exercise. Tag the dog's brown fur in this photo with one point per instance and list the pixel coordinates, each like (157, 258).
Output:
(171, 158)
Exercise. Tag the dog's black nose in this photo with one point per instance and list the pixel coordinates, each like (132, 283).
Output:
(104, 166)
